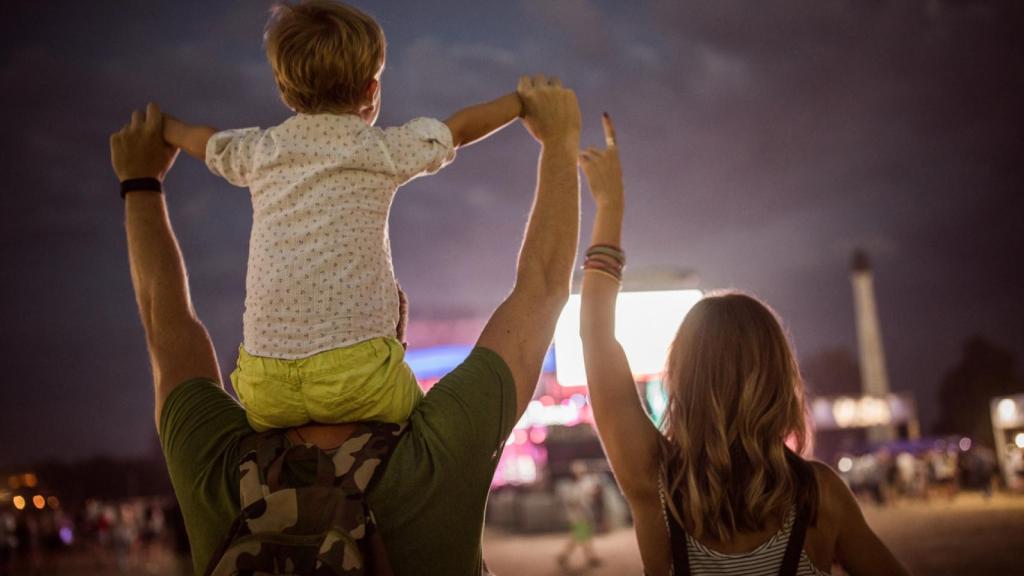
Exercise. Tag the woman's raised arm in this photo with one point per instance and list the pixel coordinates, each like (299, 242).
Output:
(629, 437)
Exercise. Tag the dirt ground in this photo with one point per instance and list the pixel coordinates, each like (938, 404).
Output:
(968, 536)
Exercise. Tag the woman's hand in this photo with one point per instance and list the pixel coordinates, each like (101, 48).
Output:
(603, 170)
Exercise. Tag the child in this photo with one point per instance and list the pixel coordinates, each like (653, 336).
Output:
(321, 302)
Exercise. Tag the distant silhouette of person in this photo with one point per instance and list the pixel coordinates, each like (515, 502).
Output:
(579, 498)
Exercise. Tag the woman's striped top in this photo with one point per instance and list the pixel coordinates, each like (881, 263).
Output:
(765, 560)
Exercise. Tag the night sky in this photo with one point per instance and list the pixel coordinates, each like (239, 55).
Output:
(761, 143)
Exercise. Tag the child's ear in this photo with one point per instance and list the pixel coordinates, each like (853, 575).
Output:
(371, 90)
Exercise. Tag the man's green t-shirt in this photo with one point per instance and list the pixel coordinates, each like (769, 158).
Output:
(429, 501)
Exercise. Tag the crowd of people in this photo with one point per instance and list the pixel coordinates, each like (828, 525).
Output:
(886, 476)
(143, 534)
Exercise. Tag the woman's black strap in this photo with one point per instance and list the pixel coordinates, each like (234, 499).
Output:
(791, 560)
(677, 540)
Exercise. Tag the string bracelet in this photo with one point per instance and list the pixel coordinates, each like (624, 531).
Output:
(608, 250)
(605, 273)
(611, 267)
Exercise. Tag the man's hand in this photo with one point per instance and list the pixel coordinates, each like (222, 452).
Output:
(603, 170)
(138, 150)
(550, 112)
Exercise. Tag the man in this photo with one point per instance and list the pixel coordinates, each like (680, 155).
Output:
(429, 501)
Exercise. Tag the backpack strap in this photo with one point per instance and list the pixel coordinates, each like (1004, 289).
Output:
(359, 459)
(357, 464)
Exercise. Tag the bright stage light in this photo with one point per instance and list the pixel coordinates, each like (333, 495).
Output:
(19, 502)
(1007, 410)
(1019, 440)
(645, 325)
(845, 464)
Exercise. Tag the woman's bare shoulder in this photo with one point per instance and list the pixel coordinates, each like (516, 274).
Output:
(833, 494)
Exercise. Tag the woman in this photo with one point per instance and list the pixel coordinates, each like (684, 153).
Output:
(716, 490)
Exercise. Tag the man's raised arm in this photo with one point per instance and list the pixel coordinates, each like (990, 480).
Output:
(179, 346)
(521, 328)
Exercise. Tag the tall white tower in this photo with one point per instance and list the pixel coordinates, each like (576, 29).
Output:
(873, 376)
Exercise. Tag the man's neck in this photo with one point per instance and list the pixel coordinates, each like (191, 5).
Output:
(323, 436)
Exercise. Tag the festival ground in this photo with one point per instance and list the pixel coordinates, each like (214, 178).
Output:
(968, 535)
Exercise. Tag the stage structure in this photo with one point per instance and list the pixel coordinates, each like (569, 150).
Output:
(556, 427)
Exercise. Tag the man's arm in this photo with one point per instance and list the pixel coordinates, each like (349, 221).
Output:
(189, 137)
(521, 328)
(179, 346)
(480, 121)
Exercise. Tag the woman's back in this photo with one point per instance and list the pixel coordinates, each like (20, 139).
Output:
(780, 547)
(839, 535)
(746, 557)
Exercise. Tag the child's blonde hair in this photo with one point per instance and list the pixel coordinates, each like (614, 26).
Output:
(324, 54)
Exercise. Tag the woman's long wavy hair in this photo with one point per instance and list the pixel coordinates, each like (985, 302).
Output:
(735, 399)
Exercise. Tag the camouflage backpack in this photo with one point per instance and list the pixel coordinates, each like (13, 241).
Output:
(324, 528)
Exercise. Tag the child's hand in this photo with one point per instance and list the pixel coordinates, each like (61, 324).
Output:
(174, 131)
(550, 111)
(192, 139)
(603, 169)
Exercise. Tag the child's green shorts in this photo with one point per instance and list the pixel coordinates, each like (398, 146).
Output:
(366, 381)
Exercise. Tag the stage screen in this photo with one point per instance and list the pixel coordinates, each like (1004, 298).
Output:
(645, 324)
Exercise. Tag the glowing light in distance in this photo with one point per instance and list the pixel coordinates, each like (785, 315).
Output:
(19, 502)
(520, 437)
(538, 414)
(53, 502)
(38, 501)
(30, 480)
(1019, 440)
(538, 435)
(523, 469)
(845, 464)
(66, 535)
(14, 482)
(645, 325)
(1007, 410)
(965, 444)
(860, 412)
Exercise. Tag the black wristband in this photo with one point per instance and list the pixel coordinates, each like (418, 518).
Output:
(141, 185)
